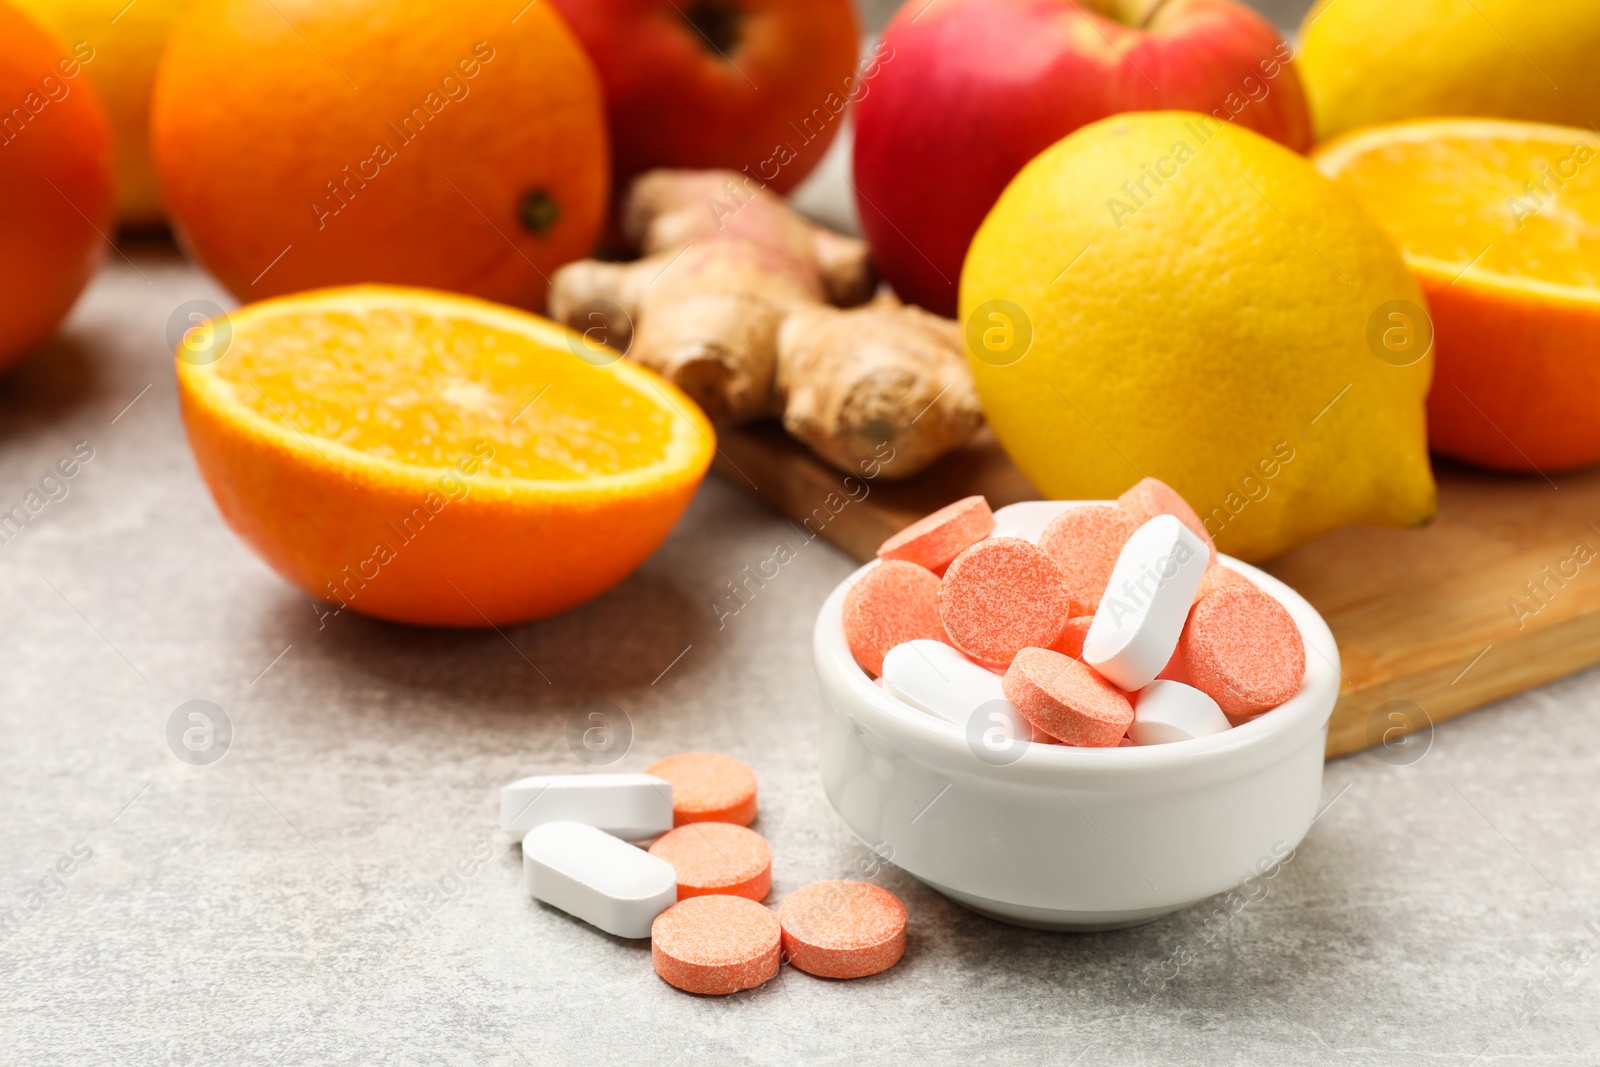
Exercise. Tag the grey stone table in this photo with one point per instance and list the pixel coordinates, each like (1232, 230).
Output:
(334, 889)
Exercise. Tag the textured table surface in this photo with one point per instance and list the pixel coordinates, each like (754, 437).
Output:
(335, 890)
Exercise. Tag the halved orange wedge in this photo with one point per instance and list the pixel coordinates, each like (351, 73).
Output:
(1500, 221)
(435, 459)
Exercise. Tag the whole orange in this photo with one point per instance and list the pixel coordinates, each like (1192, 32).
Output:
(55, 183)
(302, 143)
(753, 85)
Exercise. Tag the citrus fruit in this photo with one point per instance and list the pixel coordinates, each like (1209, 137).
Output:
(1366, 62)
(1161, 294)
(55, 183)
(304, 143)
(1501, 223)
(969, 90)
(431, 458)
(122, 44)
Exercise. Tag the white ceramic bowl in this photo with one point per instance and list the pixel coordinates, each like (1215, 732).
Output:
(1066, 838)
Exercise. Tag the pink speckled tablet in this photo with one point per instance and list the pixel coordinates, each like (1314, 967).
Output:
(1066, 699)
(1070, 643)
(1175, 671)
(717, 857)
(1086, 542)
(1151, 497)
(934, 540)
(716, 945)
(1243, 650)
(893, 603)
(1002, 595)
(708, 787)
(1217, 576)
(843, 929)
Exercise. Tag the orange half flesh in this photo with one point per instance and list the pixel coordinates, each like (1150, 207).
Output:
(436, 459)
(1501, 223)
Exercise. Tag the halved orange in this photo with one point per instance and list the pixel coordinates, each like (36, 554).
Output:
(432, 458)
(1500, 221)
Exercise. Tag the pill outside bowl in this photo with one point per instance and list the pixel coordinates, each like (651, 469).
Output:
(1074, 839)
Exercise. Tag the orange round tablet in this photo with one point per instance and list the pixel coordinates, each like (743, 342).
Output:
(1175, 671)
(1002, 595)
(1070, 643)
(1151, 497)
(843, 929)
(1067, 699)
(934, 540)
(1086, 541)
(891, 604)
(716, 945)
(1217, 576)
(708, 787)
(1243, 650)
(717, 857)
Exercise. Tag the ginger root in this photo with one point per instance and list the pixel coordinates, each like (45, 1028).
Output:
(756, 312)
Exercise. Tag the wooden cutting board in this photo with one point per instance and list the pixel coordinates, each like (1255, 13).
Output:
(1431, 623)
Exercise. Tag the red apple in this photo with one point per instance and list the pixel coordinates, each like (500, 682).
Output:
(753, 85)
(968, 91)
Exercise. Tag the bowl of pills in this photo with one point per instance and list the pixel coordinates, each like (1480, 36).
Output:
(1073, 715)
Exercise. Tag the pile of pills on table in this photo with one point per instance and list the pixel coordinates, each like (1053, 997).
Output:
(1101, 626)
(697, 891)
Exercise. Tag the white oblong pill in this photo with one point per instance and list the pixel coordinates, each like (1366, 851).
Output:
(601, 879)
(631, 806)
(938, 679)
(1146, 603)
(1171, 711)
(1028, 519)
(941, 681)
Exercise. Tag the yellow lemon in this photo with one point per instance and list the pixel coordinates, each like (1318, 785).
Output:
(1162, 294)
(1365, 62)
(118, 44)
